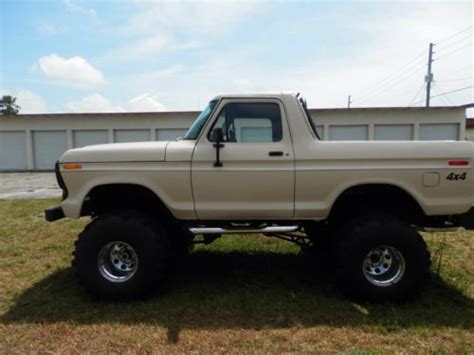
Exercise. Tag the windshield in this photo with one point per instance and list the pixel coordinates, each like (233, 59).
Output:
(195, 129)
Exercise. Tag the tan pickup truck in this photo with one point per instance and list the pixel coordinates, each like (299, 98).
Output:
(255, 164)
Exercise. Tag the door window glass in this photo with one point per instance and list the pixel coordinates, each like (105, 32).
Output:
(250, 122)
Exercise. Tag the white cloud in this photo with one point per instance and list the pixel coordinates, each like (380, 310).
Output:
(33, 67)
(93, 103)
(28, 101)
(72, 7)
(145, 103)
(74, 70)
(160, 27)
(205, 17)
(147, 47)
(351, 58)
(150, 78)
(140, 49)
(98, 103)
(48, 29)
(332, 70)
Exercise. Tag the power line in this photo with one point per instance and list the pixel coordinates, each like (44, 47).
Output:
(401, 78)
(462, 69)
(392, 82)
(443, 95)
(453, 91)
(400, 71)
(457, 79)
(447, 93)
(455, 50)
(407, 74)
(412, 63)
(454, 43)
(454, 35)
(413, 66)
(444, 101)
(416, 95)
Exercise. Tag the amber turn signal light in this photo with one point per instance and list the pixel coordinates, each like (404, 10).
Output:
(72, 166)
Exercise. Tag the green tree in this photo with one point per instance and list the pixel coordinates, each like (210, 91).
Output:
(8, 105)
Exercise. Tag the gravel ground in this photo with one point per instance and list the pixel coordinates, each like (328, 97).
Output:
(28, 186)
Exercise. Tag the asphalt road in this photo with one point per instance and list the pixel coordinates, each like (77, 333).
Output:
(28, 186)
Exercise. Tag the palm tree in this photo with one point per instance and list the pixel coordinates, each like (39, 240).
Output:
(8, 105)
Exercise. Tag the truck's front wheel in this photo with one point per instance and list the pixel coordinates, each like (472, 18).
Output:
(381, 259)
(121, 256)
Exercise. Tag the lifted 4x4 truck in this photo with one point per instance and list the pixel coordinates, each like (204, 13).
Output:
(255, 164)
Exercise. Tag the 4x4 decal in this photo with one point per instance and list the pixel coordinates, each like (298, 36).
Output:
(456, 177)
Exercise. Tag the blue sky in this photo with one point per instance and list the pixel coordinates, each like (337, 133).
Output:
(104, 56)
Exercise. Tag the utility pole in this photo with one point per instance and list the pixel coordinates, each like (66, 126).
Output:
(429, 76)
(349, 101)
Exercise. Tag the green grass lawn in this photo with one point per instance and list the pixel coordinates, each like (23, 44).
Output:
(240, 294)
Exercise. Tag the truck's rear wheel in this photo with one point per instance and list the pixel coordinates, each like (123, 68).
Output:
(323, 245)
(381, 259)
(121, 256)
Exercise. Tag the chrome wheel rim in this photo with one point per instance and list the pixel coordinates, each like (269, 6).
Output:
(117, 261)
(384, 266)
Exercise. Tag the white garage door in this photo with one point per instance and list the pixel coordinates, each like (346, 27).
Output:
(48, 146)
(12, 151)
(439, 132)
(169, 134)
(131, 135)
(349, 133)
(394, 132)
(83, 138)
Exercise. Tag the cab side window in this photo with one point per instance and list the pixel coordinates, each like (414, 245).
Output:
(250, 122)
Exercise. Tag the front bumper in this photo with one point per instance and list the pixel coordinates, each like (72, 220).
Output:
(52, 214)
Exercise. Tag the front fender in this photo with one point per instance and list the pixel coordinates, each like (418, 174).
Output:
(170, 181)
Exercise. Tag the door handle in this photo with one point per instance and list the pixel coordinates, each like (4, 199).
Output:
(275, 154)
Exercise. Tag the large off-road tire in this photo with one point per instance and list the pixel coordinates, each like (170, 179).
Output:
(323, 245)
(180, 243)
(381, 259)
(321, 235)
(120, 256)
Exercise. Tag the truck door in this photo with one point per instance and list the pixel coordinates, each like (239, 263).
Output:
(256, 179)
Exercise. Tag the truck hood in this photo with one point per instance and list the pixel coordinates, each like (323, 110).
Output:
(117, 152)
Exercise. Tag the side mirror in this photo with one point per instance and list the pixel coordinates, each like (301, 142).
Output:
(218, 135)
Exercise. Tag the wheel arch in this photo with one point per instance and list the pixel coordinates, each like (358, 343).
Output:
(382, 197)
(114, 195)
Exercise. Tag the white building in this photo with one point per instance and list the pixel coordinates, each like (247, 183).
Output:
(35, 142)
